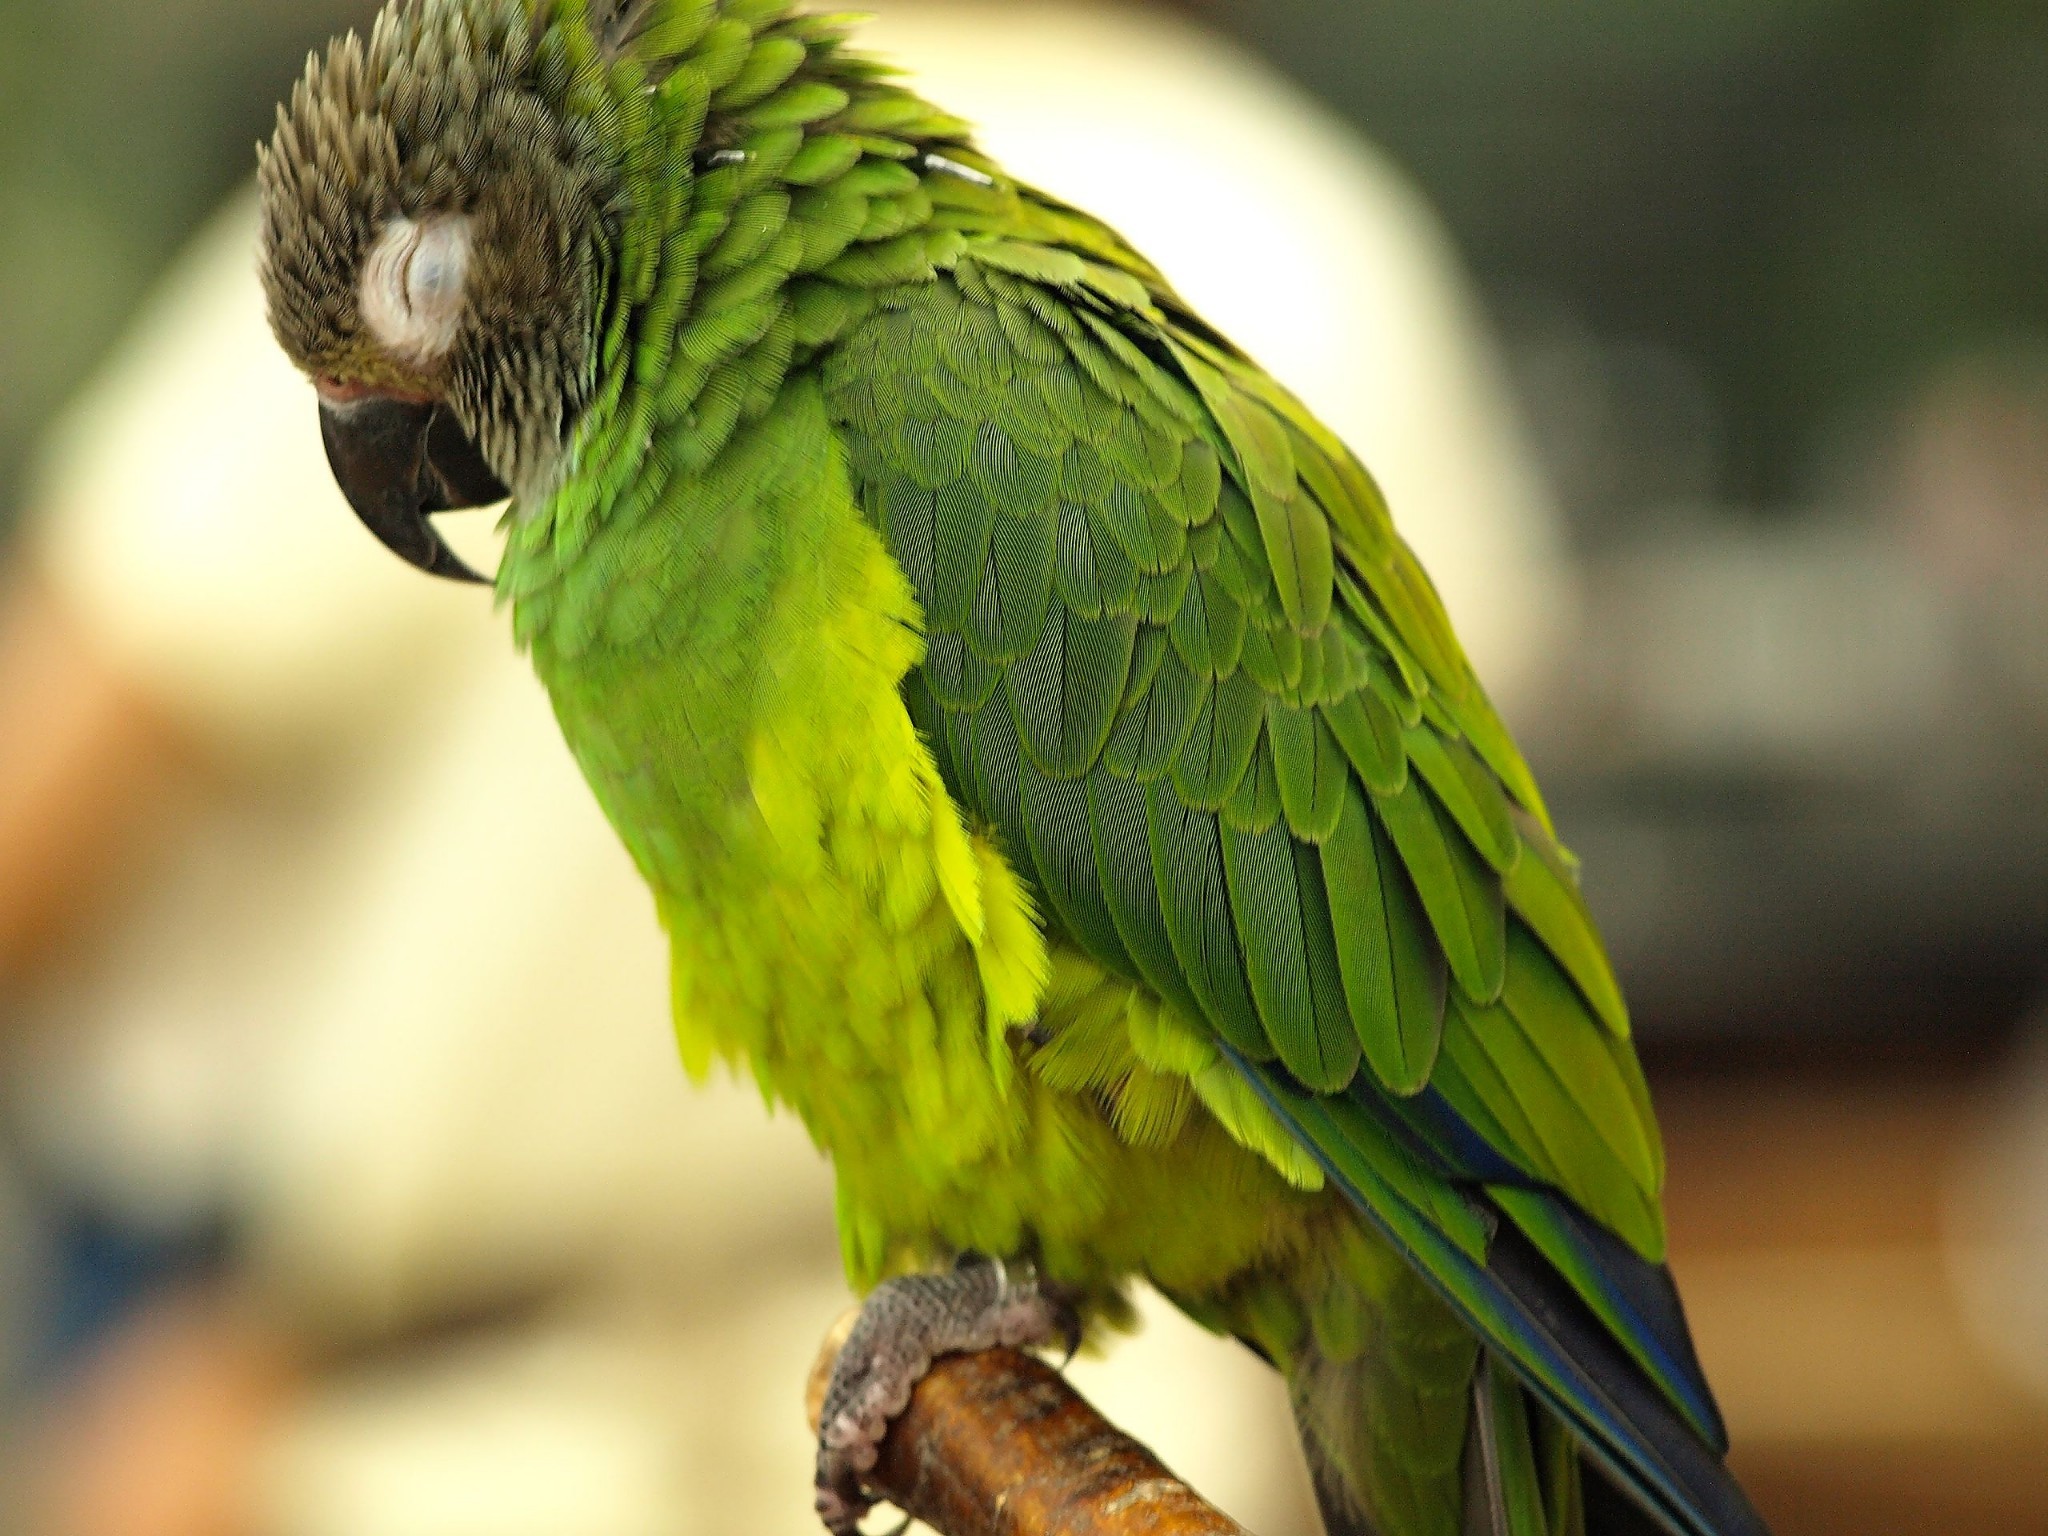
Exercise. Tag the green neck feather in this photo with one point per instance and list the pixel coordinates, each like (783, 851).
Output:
(770, 183)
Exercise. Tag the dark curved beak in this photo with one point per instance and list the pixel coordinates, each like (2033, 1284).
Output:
(400, 461)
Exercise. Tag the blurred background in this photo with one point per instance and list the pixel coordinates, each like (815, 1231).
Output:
(347, 1182)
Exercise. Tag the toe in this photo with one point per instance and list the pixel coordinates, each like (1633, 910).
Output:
(902, 1328)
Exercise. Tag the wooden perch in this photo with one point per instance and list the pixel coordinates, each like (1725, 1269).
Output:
(997, 1444)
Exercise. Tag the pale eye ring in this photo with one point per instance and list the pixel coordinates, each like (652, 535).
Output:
(413, 285)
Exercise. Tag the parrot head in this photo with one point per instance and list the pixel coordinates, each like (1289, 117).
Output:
(434, 247)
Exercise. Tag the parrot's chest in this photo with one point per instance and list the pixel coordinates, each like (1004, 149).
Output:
(818, 889)
(828, 912)
(837, 930)
(821, 908)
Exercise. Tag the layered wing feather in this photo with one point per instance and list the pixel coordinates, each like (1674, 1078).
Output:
(1182, 662)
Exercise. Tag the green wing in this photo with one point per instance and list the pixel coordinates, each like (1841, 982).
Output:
(1175, 641)
(1179, 657)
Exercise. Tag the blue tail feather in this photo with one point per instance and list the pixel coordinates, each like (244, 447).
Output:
(1517, 1300)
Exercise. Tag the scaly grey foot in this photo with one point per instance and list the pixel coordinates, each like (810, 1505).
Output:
(905, 1325)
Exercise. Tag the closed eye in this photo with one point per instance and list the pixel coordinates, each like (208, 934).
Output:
(412, 291)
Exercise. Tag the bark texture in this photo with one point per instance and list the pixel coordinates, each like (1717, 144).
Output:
(997, 1444)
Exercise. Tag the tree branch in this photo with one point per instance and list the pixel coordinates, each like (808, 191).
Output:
(997, 1444)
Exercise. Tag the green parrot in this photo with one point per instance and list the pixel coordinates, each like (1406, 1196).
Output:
(1056, 777)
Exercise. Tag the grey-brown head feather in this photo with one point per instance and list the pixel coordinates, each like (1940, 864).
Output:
(445, 110)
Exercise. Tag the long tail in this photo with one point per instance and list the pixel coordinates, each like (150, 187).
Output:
(1522, 1472)
(1384, 1410)
(1551, 1296)
(1521, 1466)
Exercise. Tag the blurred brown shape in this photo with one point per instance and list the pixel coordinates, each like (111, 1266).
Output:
(1809, 1233)
(997, 1444)
(179, 1401)
(77, 781)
